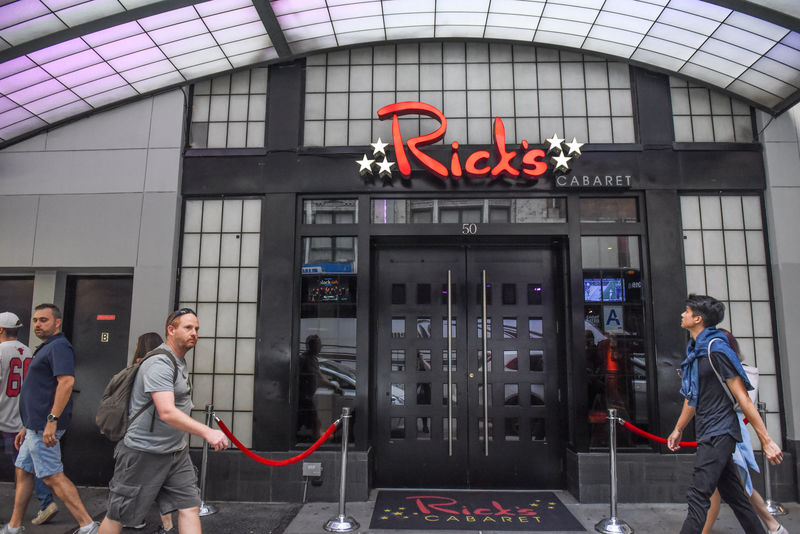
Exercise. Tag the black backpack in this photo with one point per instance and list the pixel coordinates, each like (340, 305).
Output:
(112, 414)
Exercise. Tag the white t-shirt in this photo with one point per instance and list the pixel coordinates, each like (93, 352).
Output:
(14, 360)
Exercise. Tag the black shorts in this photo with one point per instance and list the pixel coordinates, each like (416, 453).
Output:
(140, 478)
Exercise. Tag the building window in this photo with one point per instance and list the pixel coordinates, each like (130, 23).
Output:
(536, 91)
(702, 115)
(454, 211)
(725, 256)
(614, 335)
(326, 361)
(230, 111)
(330, 211)
(219, 279)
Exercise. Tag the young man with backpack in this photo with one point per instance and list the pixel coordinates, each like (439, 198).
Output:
(717, 427)
(156, 442)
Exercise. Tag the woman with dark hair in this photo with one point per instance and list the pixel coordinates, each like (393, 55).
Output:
(145, 344)
(745, 460)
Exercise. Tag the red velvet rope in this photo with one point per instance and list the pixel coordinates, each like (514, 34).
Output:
(328, 433)
(653, 437)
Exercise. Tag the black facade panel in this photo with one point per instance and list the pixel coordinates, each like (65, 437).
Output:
(653, 107)
(272, 410)
(285, 105)
(668, 290)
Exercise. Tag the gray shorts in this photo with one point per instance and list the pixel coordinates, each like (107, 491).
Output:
(142, 477)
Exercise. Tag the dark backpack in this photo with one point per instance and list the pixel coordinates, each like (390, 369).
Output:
(112, 414)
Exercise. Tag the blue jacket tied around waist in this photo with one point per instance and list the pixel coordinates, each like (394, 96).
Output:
(699, 348)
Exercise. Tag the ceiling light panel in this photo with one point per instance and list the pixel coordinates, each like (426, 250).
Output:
(129, 59)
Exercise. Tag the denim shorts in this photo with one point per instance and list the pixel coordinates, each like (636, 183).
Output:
(34, 457)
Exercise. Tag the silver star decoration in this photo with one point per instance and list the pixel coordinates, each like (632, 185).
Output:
(555, 143)
(574, 147)
(561, 162)
(379, 147)
(365, 165)
(385, 168)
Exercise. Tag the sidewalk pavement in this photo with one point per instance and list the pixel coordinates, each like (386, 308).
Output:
(293, 518)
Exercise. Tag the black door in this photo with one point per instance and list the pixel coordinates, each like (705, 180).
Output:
(413, 372)
(96, 320)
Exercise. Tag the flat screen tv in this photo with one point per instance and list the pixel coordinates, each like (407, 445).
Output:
(603, 290)
(318, 289)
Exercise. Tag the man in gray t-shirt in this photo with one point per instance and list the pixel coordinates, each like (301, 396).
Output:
(156, 374)
(156, 440)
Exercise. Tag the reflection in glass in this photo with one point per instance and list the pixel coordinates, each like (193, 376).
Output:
(453, 360)
(424, 327)
(537, 394)
(480, 395)
(535, 327)
(423, 428)
(398, 394)
(398, 429)
(398, 360)
(398, 327)
(510, 327)
(537, 360)
(510, 360)
(538, 429)
(446, 428)
(423, 393)
(511, 395)
(444, 394)
(423, 360)
(488, 360)
(480, 327)
(454, 211)
(452, 327)
(609, 210)
(330, 211)
(512, 429)
(480, 429)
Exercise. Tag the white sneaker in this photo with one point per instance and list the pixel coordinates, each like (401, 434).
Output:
(93, 530)
(7, 531)
(45, 514)
(780, 530)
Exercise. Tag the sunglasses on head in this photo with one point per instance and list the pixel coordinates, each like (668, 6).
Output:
(177, 313)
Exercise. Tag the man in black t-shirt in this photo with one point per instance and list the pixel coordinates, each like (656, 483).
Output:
(716, 424)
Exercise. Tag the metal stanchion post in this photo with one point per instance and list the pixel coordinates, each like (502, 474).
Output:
(341, 522)
(205, 508)
(774, 508)
(613, 525)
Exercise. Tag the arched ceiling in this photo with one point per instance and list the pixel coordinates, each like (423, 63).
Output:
(62, 59)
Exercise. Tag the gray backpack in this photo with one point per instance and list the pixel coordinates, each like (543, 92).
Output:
(112, 414)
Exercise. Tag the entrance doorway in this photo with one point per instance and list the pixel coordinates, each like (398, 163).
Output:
(428, 436)
(97, 318)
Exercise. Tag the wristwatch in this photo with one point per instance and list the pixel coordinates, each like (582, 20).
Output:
(51, 417)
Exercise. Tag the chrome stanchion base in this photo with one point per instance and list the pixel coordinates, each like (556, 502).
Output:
(207, 509)
(341, 523)
(613, 525)
(775, 508)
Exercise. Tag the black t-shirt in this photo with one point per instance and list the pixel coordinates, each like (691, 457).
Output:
(714, 414)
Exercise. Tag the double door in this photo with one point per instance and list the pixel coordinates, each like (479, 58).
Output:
(455, 407)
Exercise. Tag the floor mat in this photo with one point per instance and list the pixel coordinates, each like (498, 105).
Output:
(510, 511)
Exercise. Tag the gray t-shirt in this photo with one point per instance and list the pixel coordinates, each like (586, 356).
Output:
(155, 374)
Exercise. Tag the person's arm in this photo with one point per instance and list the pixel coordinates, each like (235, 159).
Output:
(687, 413)
(170, 414)
(63, 391)
(770, 448)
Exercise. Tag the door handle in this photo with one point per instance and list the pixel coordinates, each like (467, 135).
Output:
(449, 363)
(485, 368)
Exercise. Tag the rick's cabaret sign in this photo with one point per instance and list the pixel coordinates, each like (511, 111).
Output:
(528, 163)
